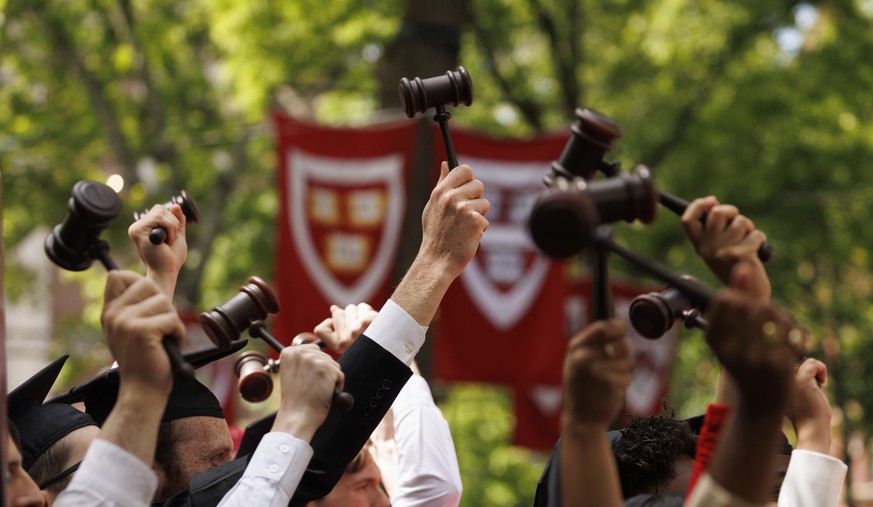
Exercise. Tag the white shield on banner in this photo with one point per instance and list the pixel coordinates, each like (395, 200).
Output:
(506, 275)
(357, 205)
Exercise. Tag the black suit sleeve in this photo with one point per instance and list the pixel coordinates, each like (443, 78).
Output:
(374, 377)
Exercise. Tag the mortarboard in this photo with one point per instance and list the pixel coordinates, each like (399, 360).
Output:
(42, 425)
(187, 399)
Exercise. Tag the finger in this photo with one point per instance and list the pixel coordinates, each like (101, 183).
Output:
(472, 189)
(117, 282)
(339, 322)
(691, 217)
(324, 330)
(737, 229)
(444, 171)
(718, 218)
(481, 206)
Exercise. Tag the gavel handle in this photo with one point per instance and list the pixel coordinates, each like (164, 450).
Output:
(157, 235)
(182, 370)
(678, 205)
(442, 117)
(342, 400)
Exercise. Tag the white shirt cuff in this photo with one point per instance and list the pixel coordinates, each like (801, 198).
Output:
(111, 474)
(812, 479)
(397, 332)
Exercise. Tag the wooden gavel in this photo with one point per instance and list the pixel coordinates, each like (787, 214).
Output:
(653, 314)
(75, 244)
(246, 310)
(255, 370)
(592, 136)
(158, 235)
(418, 95)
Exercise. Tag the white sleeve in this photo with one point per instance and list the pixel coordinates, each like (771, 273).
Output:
(110, 476)
(812, 479)
(397, 332)
(427, 464)
(273, 473)
(708, 493)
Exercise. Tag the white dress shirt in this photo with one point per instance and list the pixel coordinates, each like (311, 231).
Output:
(427, 467)
(110, 477)
(813, 479)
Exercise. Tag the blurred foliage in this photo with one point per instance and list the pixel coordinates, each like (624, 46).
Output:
(764, 104)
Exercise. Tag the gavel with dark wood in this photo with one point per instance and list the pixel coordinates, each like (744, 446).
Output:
(247, 311)
(418, 95)
(653, 314)
(75, 244)
(592, 136)
(158, 235)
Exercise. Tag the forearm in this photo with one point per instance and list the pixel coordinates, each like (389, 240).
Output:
(588, 471)
(422, 289)
(133, 423)
(165, 281)
(745, 456)
(427, 464)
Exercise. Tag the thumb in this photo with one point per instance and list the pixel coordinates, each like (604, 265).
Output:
(444, 171)
(741, 278)
(117, 282)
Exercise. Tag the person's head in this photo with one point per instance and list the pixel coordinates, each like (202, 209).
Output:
(186, 446)
(360, 485)
(653, 453)
(21, 491)
(193, 435)
(53, 436)
(53, 469)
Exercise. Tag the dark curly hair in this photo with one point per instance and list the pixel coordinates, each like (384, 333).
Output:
(647, 449)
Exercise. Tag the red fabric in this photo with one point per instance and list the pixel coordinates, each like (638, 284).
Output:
(502, 320)
(713, 422)
(342, 199)
(537, 412)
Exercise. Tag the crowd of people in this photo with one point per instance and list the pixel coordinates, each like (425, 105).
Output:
(147, 439)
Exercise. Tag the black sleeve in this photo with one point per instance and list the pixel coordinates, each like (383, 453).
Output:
(549, 486)
(374, 377)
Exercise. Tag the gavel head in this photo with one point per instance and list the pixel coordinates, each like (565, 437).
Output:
(91, 208)
(255, 382)
(226, 322)
(653, 314)
(419, 95)
(186, 202)
(188, 205)
(591, 136)
(564, 217)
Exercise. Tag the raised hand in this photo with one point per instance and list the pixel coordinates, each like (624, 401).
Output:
(726, 238)
(308, 377)
(163, 261)
(344, 325)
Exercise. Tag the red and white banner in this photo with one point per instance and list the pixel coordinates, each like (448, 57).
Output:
(503, 319)
(342, 200)
(537, 406)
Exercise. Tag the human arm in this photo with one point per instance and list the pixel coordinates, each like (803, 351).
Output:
(163, 261)
(308, 377)
(749, 337)
(813, 478)
(597, 370)
(426, 461)
(117, 468)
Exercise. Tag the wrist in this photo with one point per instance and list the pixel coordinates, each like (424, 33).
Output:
(572, 427)
(165, 281)
(297, 423)
(813, 436)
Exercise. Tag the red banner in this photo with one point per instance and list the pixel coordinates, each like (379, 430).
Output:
(342, 199)
(538, 405)
(502, 320)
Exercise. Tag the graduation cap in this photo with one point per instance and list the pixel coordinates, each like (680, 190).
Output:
(42, 425)
(187, 399)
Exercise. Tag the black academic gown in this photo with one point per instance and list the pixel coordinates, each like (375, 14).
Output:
(374, 377)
